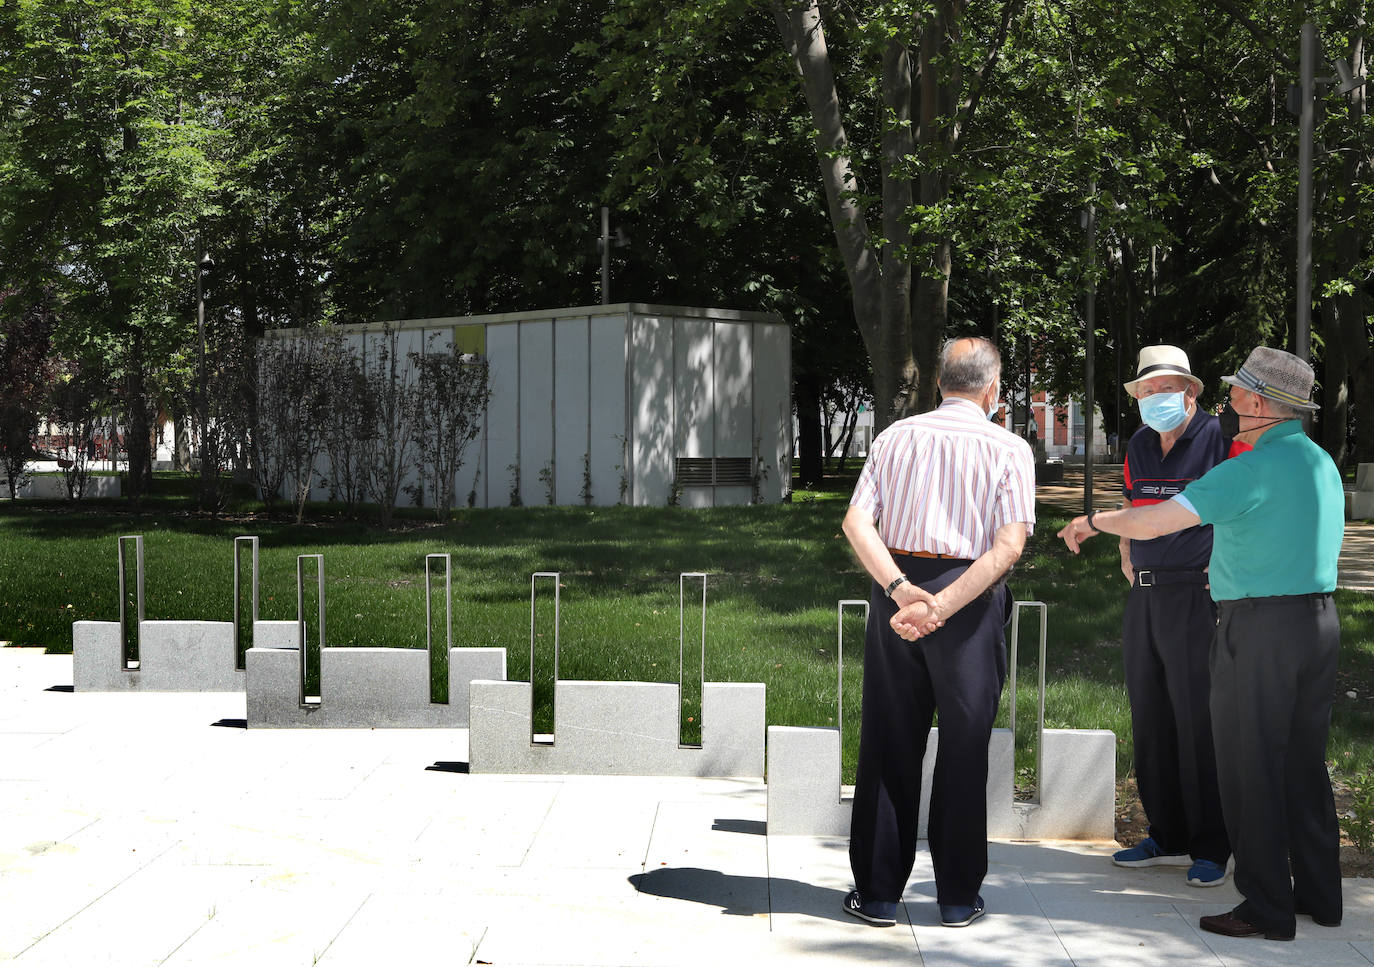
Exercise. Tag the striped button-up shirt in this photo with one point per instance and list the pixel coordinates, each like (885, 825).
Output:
(946, 480)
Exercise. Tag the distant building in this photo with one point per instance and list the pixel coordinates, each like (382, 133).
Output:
(630, 403)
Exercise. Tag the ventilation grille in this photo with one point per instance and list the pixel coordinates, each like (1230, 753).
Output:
(715, 471)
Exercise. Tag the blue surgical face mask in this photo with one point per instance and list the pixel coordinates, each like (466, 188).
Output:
(1164, 411)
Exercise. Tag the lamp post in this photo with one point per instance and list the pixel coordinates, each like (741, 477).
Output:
(203, 264)
(1090, 317)
(604, 244)
(1345, 81)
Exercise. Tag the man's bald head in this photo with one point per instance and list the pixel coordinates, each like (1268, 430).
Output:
(968, 366)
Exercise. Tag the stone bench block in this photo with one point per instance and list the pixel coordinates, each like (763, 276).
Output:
(1364, 477)
(616, 728)
(1359, 504)
(360, 687)
(597, 723)
(188, 656)
(734, 724)
(499, 729)
(174, 656)
(55, 488)
(804, 795)
(1077, 789)
(276, 634)
(98, 658)
(805, 799)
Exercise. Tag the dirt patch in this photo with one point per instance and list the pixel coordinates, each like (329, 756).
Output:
(1132, 827)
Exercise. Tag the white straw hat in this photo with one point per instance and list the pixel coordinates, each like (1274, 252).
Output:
(1162, 361)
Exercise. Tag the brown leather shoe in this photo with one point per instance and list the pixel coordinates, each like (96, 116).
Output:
(1230, 925)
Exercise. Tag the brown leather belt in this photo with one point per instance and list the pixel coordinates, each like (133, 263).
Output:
(931, 554)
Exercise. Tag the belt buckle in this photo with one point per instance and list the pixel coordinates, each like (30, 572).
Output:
(1146, 579)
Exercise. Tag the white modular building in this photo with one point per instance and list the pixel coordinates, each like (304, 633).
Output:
(638, 404)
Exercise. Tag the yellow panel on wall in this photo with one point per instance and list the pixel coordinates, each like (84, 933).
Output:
(470, 339)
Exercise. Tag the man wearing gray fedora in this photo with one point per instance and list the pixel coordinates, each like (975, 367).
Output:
(1278, 518)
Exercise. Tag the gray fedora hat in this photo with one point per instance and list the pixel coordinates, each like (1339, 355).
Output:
(1276, 375)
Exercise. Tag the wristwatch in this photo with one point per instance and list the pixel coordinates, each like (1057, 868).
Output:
(887, 591)
(1091, 526)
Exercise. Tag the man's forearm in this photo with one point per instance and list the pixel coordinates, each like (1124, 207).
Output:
(984, 572)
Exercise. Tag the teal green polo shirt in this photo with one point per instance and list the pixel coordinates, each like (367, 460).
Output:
(1277, 516)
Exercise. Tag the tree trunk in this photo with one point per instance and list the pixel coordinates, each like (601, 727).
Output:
(901, 329)
(809, 453)
(181, 445)
(137, 451)
(883, 321)
(1348, 390)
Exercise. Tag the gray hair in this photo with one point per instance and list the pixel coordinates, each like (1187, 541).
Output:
(1282, 410)
(971, 370)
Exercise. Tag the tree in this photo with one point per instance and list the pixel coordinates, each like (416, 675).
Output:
(393, 449)
(293, 403)
(450, 401)
(26, 369)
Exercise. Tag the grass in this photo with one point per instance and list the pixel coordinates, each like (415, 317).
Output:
(776, 573)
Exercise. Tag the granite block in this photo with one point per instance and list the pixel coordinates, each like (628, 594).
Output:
(1364, 477)
(733, 729)
(98, 658)
(1359, 504)
(360, 688)
(1077, 787)
(616, 728)
(804, 783)
(188, 656)
(465, 666)
(272, 679)
(499, 724)
(804, 795)
(276, 634)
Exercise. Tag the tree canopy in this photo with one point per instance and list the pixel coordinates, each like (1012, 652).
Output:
(883, 174)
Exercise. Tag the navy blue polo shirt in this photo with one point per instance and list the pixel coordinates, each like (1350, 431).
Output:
(1151, 477)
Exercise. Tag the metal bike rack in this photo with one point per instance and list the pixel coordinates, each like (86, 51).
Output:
(239, 650)
(839, 652)
(309, 701)
(130, 656)
(556, 575)
(1016, 609)
(681, 641)
(434, 663)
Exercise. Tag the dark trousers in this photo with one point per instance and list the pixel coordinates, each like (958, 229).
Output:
(1166, 636)
(1273, 672)
(958, 670)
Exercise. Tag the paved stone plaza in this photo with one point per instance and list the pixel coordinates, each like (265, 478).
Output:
(154, 828)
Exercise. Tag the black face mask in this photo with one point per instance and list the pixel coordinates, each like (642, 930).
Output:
(1230, 421)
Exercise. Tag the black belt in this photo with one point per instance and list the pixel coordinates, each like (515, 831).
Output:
(1153, 577)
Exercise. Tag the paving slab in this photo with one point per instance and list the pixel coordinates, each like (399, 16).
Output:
(155, 828)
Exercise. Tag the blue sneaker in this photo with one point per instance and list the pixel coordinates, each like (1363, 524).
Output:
(1148, 853)
(955, 915)
(880, 913)
(1206, 873)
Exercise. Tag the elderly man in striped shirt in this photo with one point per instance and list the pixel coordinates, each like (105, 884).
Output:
(940, 514)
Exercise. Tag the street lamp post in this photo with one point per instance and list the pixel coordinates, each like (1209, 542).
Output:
(203, 263)
(1345, 82)
(1090, 317)
(604, 244)
(1307, 110)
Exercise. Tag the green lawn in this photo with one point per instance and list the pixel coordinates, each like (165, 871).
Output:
(776, 573)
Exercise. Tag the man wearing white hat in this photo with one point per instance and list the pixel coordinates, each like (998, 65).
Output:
(1167, 627)
(1278, 518)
